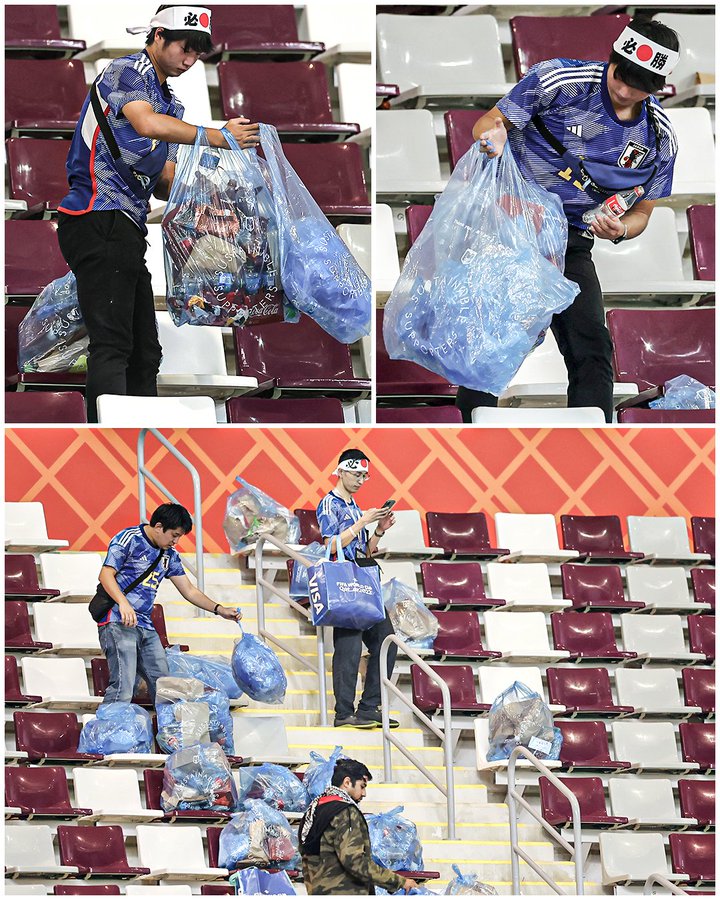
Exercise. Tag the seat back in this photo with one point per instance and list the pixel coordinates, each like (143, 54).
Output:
(403, 571)
(213, 843)
(662, 535)
(32, 256)
(703, 532)
(356, 86)
(13, 317)
(257, 25)
(589, 792)
(313, 161)
(633, 855)
(261, 411)
(416, 216)
(637, 798)
(100, 848)
(406, 149)
(358, 239)
(648, 688)
(24, 83)
(24, 22)
(41, 407)
(660, 585)
(171, 890)
(703, 585)
(406, 534)
(164, 412)
(65, 623)
(17, 623)
(13, 691)
(49, 733)
(309, 528)
(156, 852)
(695, 161)
(585, 742)
(636, 415)
(38, 787)
(521, 581)
(153, 783)
(584, 584)
(543, 365)
(47, 677)
(701, 225)
(647, 743)
(107, 788)
(453, 583)
(25, 522)
(458, 131)
(520, 632)
(693, 855)
(656, 635)
(699, 688)
(464, 532)
(427, 695)
(386, 265)
(592, 533)
(20, 573)
(260, 736)
(72, 572)
(696, 35)
(697, 800)
(36, 170)
(496, 679)
(397, 376)
(31, 845)
(659, 241)
(101, 679)
(157, 617)
(591, 634)
(581, 688)
(521, 532)
(458, 633)
(701, 635)
(93, 890)
(697, 740)
(189, 351)
(410, 415)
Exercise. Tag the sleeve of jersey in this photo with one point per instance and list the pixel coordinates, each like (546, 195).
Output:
(116, 555)
(531, 95)
(327, 519)
(129, 86)
(662, 183)
(178, 113)
(175, 566)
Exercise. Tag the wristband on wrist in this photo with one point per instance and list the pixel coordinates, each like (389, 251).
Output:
(379, 533)
(215, 611)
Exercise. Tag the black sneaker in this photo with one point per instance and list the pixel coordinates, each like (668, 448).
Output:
(376, 718)
(353, 722)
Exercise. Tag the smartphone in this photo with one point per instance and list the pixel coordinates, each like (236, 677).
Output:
(388, 504)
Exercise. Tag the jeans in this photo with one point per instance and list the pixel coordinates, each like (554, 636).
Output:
(346, 663)
(130, 651)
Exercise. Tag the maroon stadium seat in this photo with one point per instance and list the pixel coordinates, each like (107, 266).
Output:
(344, 196)
(638, 415)
(585, 746)
(595, 587)
(21, 581)
(699, 687)
(701, 224)
(701, 635)
(399, 378)
(460, 680)
(294, 96)
(697, 740)
(97, 852)
(703, 532)
(309, 528)
(101, 679)
(590, 795)
(49, 737)
(693, 855)
(416, 216)
(458, 130)
(461, 534)
(94, 890)
(13, 692)
(213, 845)
(261, 32)
(157, 616)
(703, 585)
(36, 170)
(697, 800)
(40, 791)
(44, 407)
(207, 889)
(35, 31)
(262, 411)
(430, 415)
(587, 636)
(459, 637)
(298, 357)
(153, 781)
(598, 538)
(584, 691)
(17, 629)
(30, 108)
(457, 585)
(37, 380)
(32, 257)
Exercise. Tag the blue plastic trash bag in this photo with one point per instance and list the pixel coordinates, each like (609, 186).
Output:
(684, 392)
(483, 279)
(299, 582)
(320, 771)
(258, 834)
(276, 786)
(198, 778)
(189, 712)
(520, 716)
(52, 337)
(317, 271)
(257, 670)
(394, 841)
(250, 513)
(212, 671)
(218, 266)
(254, 881)
(420, 889)
(117, 728)
(411, 619)
(468, 884)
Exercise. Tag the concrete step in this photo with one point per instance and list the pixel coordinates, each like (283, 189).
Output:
(492, 869)
(422, 791)
(203, 639)
(214, 626)
(320, 739)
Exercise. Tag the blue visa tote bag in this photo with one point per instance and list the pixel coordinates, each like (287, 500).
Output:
(344, 594)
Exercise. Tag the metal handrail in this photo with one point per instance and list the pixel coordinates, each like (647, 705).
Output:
(144, 474)
(263, 584)
(663, 881)
(513, 798)
(444, 734)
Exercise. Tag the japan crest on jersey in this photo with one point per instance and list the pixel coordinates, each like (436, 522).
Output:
(633, 155)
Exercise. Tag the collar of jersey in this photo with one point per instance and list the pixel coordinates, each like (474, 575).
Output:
(350, 502)
(610, 109)
(163, 88)
(146, 539)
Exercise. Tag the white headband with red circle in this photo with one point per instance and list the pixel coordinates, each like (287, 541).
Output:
(354, 466)
(646, 53)
(177, 18)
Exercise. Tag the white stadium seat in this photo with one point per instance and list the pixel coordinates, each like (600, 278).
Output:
(697, 40)
(358, 239)
(631, 856)
(495, 679)
(169, 890)
(356, 91)
(403, 571)
(406, 537)
(26, 530)
(164, 412)
(386, 269)
(660, 638)
(264, 739)
(648, 802)
(653, 692)
(69, 627)
(179, 859)
(664, 538)
(75, 575)
(694, 174)
(661, 588)
(524, 586)
(649, 746)
(112, 794)
(62, 683)
(503, 417)
(29, 851)
(531, 538)
(520, 637)
(407, 161)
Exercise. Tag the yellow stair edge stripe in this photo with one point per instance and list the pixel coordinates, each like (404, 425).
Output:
(236, 637)
(435, 861)
(445, 843)
(362, 747)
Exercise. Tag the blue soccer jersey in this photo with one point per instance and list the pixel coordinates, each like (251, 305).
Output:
(572, 99)
(95, 183)
(335, 515)
(130, 553)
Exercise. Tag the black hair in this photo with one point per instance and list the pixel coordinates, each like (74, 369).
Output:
(197, 41)
(349, 768)
(635, 76)
(351, 454)
(172, 516)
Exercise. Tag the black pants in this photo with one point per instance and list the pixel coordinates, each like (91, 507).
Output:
(581, 335)
(106, 253)
(346, 662)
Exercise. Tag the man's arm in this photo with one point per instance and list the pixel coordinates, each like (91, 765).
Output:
(202, 601)
(109, 582)
(164, 182)
(348, 838)
(636, 219)
(160, 127)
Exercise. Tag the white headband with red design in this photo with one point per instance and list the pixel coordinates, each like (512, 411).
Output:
(353, 465)
(177, 18)
(646, 53)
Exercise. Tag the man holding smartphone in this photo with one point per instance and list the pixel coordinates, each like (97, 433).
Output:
(339, 517)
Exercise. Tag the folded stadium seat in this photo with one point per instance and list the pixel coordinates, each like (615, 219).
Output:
(345, 195)
(693, 175)
(33, 890)
(26, 529)
(153, 782)
(530, 417)
(299, 359)
(62, 683)
(663, 538)
(386, 265)
(701, 226)
(703, 585)
(461, 535)
(262, 411)
(264, 739)
(524, 586)
(72, 630)
(140, 890)
(701, 636)
(697, 740)
(30, 110)
(36, 174)
(112, 795)
(29, 853)
(653, 692)
(355, 85)
(26, 380)
(637, 415)
(697, 801)
(14, 695)
(164, 412)
(358, 239)
(49, 737)
(207, 889)
(585, 692)
(416, 216)
(458, 131)
(531, 538)
(460, 680)
(703, 532)
(32, 258)
(519, 637)
(469, 70)
(596, 538)
(699, 688)
(93, 890)
(405, 538)
(294, 96)
(21, 580)
(646, 802)
(429, 415)
(494, 680)
(157, 617)
(309, 528)
(98, 852)
(398, 379)
(18, 638)
(458, 637)
(213, 844)
(693, 855)
(661, 589)
(76, 573)
(41, 407)
(627, 857)
(455, 586)
(34, 31)
(585, 746)
(182, 859)
(658, 638)
(408, 165)
(595, 587)
(650, 745)
(696, 36)
(402, 571)
(590, 795)
(384, 93)
(101, 679)
(40, 792)
(262, 32)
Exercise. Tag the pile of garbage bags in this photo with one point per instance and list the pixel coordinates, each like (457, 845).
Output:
(212, 671)
(250, 513)
(257, 670)
(117, 728)
(520, 717)
(411, 619)
(198, 777)
(258, 834)
(394, 841)
(189, 712)
(52, 337)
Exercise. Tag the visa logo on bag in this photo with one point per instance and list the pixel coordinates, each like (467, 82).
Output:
(314, 593)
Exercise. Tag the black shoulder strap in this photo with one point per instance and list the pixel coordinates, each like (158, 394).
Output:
(140, 578)
(559, 148)
(103, 122)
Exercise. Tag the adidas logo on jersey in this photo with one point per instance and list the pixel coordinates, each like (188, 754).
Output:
(575, 129)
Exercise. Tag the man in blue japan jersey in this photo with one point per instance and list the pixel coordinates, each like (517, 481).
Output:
(617, 136)
(127, 635)
(340, 518)
(123, 151)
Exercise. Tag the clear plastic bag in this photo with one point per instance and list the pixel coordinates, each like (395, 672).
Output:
(254, 881)
(684, 392)
(468, 884)
(189, 712)
(411, 619)
(483, 279)
(250, 513)
(299, 581)
(258, 834)
(520, 716)
(394, 841)
(52, 337)
(318, 273)
(198, 777)
(212, 671)
(320, 771)
(257, 670)
(117, 728)
(276, 786)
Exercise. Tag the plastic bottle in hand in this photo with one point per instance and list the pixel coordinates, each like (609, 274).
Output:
(617, 205)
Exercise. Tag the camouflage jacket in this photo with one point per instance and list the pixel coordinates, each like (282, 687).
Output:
(344, 865)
